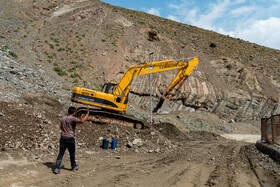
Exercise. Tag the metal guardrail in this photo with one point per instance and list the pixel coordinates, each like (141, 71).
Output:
(270, 129)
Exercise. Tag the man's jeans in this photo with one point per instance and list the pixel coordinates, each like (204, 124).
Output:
(69, 143)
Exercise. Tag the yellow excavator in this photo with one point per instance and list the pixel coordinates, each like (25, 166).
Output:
(113, 98)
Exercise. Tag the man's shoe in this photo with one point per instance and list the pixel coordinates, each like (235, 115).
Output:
(56, 171)
(76, 167)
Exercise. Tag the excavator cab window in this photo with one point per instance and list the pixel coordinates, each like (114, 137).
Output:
(108, 87)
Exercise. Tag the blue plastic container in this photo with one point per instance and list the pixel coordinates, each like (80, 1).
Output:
(114, 144)
(105, 144)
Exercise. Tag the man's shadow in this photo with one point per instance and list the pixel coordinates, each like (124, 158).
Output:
(51, 165)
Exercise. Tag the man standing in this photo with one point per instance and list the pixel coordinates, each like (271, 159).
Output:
(67, 139)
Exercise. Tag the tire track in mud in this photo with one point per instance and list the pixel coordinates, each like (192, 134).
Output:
(231, 164)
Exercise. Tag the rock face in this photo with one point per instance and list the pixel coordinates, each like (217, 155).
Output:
(237, 93)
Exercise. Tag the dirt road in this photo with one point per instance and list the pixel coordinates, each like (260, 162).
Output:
(158, 156)
(201, 163)
(250, 138)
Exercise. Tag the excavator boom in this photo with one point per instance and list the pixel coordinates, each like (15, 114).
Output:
(117, 100)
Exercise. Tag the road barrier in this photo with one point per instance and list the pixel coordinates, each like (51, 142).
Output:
(270, 129)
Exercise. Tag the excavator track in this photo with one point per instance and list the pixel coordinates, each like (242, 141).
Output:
(106, 117)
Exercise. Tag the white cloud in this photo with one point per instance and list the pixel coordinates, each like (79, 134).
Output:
(254, 21)
(215, 12)
(154, 11)
(174, 18)
(239, 11)
(263, 32)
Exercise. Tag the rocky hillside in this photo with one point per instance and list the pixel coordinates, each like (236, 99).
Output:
(48, 47)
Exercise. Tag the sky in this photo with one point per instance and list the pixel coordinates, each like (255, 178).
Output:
(256, 21)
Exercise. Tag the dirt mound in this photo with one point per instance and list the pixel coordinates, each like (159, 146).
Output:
(30, 124)
(166, 139)
(34, 125)
(170, 131)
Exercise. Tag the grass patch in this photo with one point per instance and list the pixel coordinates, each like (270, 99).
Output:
(97, 86)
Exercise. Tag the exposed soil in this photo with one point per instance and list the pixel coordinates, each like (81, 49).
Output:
(161, 156)
(46, 47)
(210, 163)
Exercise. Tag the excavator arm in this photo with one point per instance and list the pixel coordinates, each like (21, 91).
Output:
(181, 77)
(117, 99)
(186, 66)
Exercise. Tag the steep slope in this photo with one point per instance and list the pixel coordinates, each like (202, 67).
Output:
(96, 42)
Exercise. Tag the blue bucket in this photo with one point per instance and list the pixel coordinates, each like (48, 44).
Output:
(105, 144)
(114, 144)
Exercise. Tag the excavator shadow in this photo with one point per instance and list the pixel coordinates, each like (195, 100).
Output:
(159, 105)
(163, 106)
(98, 122)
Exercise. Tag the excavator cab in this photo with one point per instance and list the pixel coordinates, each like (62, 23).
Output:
(108, 87)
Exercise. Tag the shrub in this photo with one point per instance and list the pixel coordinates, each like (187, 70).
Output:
(16, 30)
(71, 69)
(50, 55)
(13, 54)
(51, 46)
(60, 73)
(57, 69)
(74, 75)
(56, 40)
(60, 49)
(114, 44)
